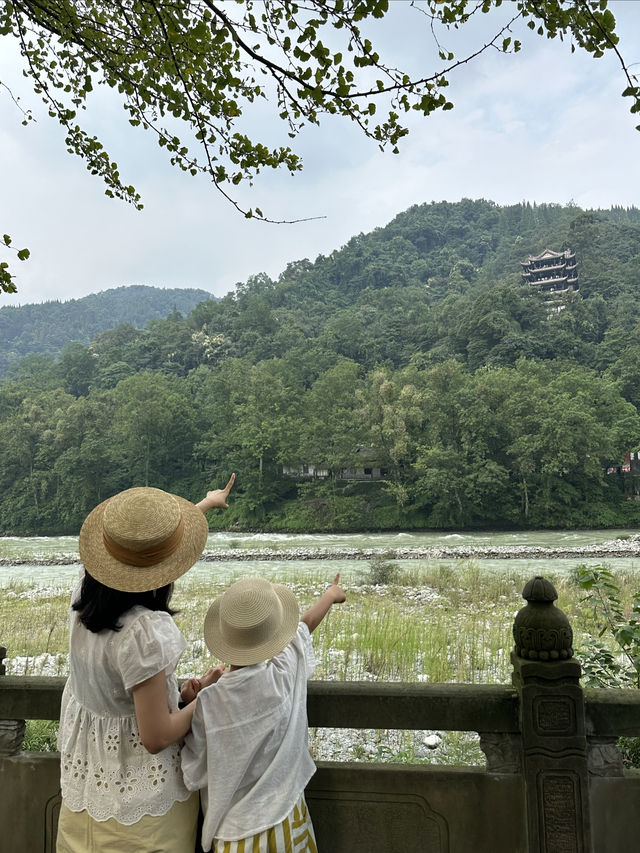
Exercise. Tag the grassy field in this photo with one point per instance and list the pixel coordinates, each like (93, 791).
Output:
(432, 623)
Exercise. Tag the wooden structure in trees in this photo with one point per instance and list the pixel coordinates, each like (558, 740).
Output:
(551, 272)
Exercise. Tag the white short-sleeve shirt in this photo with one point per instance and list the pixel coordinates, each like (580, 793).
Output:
(105, 769)
(248, 747)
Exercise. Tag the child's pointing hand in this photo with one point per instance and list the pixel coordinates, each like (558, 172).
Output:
(336, 590)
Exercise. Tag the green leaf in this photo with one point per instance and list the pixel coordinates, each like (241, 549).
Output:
(178, 62)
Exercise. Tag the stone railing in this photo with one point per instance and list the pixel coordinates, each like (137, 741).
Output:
(553, 780)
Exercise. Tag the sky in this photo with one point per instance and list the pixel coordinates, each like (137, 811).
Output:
(543, 125)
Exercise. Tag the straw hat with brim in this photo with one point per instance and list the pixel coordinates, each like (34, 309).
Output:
(142, 539)
(251, 622)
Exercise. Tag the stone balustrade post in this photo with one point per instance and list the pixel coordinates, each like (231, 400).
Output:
(552, 724)
(11, 731)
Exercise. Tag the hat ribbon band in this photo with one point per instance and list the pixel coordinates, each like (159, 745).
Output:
(147, 556)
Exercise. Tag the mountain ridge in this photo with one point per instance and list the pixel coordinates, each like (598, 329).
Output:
(43, 328)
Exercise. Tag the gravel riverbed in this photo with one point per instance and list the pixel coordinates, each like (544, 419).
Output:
(629, 547)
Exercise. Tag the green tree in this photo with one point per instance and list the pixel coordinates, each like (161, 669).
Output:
(77, 367)
(153, 429)
(87, 461)
(462, 477)
(35, 373)
(561, 423)
(188, 72)
(330, 430)
(253, 426)
(392, 410)
(267, 422)
(496, 325)
(28, 453)
(625, 370)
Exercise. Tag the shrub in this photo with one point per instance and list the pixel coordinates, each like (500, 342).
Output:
(382, 570)
(620, 667)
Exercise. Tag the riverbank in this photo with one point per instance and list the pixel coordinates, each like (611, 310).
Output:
(617, 548)
(436, 624)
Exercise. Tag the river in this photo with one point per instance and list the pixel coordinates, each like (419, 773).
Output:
(43, 561)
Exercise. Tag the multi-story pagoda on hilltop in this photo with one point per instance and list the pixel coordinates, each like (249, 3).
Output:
(551, 272)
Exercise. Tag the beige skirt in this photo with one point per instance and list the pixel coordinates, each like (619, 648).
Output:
(173, 832)
(294, 835)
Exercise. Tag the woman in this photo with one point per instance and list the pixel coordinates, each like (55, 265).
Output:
(120, 725)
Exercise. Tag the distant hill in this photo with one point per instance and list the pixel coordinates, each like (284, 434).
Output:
(46, 327)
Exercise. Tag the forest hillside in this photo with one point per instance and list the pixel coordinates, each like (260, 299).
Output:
(46, 327)
(410, 379)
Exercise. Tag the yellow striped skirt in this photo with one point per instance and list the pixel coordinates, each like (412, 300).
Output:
(294, 835)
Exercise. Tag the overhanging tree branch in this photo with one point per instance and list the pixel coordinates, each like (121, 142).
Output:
(188, 71)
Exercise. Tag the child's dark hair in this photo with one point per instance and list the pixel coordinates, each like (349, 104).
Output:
(101, 607)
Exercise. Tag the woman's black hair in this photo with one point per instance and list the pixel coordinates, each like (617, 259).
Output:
(101, 607)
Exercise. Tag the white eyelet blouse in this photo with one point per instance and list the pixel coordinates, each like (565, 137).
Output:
(105, 769)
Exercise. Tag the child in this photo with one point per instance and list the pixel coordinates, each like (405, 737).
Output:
(247, 750)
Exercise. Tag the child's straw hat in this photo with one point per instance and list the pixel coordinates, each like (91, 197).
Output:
(142, 539)
(251, 622)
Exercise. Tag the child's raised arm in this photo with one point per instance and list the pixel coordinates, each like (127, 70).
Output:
(316, 613)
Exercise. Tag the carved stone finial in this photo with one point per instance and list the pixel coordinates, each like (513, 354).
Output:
(539, 589)
(541, 630)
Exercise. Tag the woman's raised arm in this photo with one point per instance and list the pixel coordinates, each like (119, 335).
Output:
(158, 726)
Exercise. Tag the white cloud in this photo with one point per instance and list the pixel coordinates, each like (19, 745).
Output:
(543, 125)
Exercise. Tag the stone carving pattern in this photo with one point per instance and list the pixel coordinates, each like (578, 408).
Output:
(503, 752)
(555, 716)
(603, 757)
(543, 643)
(560, 813)
(405, 823)
(397, 818)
